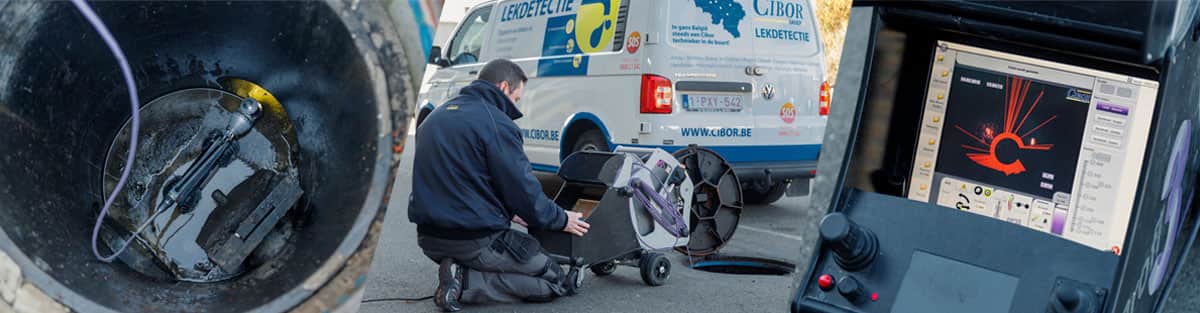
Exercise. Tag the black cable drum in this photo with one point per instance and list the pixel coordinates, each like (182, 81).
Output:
(340, 69)
(717, 203)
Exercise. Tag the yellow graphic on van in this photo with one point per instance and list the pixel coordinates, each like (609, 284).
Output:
(596, 22)
(577, 60)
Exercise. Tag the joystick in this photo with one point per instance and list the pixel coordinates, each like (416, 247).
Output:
(854, 247)
(1071, 297)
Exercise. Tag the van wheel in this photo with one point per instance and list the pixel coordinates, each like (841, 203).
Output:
(759, 195)
(591, 140)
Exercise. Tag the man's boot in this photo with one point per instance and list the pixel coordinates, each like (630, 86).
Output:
(573, 281)
(450, 285)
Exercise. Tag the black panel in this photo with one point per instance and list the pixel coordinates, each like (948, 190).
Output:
(591, 167)
(590, 175)
(939, 284)
(993, 250)
(611, 235)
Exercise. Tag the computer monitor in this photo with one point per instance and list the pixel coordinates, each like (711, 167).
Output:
(1049, 146)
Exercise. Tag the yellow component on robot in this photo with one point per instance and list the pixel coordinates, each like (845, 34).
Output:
(246, 89)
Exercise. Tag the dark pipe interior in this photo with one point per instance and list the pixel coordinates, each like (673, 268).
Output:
(64, 102)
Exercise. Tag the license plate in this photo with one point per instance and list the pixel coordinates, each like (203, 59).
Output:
(712, 103)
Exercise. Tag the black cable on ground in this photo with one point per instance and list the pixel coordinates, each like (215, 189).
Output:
(398, 299)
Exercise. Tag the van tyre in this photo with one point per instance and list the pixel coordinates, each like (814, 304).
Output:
(753, 195)
(592, 140)
(655, 268)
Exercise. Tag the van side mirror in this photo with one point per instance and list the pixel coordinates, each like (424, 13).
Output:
(435, 57)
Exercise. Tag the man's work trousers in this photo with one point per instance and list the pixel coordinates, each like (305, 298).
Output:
(495, 274)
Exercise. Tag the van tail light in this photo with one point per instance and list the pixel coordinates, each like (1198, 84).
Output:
(657, 94)
(824, 98)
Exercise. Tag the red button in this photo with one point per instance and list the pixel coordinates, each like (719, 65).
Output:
(825, 281)
(874, 296)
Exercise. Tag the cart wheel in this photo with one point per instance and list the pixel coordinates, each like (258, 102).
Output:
(604, 269)
(656, 268)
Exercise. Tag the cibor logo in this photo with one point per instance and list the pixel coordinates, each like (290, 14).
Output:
(595, 24)
(776, 8)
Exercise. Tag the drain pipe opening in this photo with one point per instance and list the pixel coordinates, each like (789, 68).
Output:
(743, 265)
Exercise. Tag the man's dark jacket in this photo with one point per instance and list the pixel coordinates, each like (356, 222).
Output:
(470, 173)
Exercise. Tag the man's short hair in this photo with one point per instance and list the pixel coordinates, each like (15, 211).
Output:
(501, 70)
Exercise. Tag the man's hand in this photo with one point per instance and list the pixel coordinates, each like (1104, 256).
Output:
(519, 221)
(575, 226)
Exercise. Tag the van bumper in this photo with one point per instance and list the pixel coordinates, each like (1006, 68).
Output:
(774, 172)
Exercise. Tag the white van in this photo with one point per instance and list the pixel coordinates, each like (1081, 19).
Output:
(745, 78)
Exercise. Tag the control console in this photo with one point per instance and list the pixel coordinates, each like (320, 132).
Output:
(1010, 181)
(953, 262)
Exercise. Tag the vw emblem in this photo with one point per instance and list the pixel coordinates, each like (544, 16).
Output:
(768, 91)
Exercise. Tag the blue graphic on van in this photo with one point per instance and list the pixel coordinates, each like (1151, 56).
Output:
(563, 66)
(534, 8)
(559, 40)
(726, 13)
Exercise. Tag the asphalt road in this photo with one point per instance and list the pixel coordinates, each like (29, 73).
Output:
(776, 231)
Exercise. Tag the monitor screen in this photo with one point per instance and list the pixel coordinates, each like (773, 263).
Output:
(1049, 146)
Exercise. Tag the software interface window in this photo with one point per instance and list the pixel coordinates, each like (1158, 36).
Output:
(1033, 142)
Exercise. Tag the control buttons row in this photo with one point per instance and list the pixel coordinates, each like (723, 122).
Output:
(849, 287)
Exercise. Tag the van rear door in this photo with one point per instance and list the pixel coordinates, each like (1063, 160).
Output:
(788, 72)
(704, 52)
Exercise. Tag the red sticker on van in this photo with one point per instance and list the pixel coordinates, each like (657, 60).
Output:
(634, 42)
(787, 113)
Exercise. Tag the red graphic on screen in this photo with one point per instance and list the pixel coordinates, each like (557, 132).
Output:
(1014, 101)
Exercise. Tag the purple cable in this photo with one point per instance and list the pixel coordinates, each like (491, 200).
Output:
(642, 188)
(135, 120)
